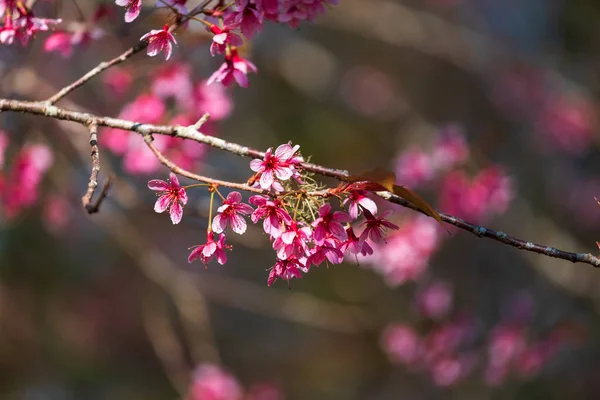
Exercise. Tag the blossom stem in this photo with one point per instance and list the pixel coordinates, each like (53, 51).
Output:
(210, 209)
(196, 185)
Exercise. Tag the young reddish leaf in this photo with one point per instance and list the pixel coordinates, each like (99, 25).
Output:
(418, 201)
(380, 179)
(374, 180)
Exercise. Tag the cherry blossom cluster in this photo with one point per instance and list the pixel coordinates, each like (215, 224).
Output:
(174, 98)
(228, 24)
(19, 184)
(212, 382)
(450, 350)
(20, 22)
(305, 230)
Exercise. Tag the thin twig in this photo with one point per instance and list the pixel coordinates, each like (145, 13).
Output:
(40, 108)
(180, 171)
(104, 65)
(86, 200)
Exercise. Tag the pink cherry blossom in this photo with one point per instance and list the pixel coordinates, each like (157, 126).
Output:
(280, 165)
(354, 245)
(287, 269)
(229, 214)
(159, 40)
(222, 38)
(376, 226)
(205, 252)
(293, 242)
(172, 197)
(247, 16)
(330, 224)
(328, 250)
(132, 8)
(274, 216)
(359, 198)
(235, 68)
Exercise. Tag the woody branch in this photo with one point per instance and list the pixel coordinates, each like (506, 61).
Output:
(192, 133)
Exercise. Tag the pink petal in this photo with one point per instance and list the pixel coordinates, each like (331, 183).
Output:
(162, 203)
(256, 165)
(238, 224)
(174, 181)
(266, 180)
(209, 249)
(234, 197)
(219, 223)
(158, 185)
(176, 212)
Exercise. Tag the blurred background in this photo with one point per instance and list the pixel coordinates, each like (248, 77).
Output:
(486, 108)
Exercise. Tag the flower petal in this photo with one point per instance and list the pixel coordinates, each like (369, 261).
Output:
(162, 203)
(158, 185)
(176, 212)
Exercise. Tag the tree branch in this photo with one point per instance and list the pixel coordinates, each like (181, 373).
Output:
(104, 65)
(41, 108)
(86, 200)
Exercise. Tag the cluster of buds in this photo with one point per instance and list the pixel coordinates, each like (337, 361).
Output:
(302, 225)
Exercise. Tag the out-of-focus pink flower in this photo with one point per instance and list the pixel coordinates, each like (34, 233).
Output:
(435, 300)
(450, 148)
(490, 192)
(280, 165)
(234, 69)
(402, 344)
(132, 8)
(28, 169)
(205, 252)
(212, 383)
(507, 342)
(118, 80)
(159, 40)
(446, 371)
(172, 197)
(173, 80)
(56, 213)
(414, 168)
(212, 99)
(568, 123)
(229, 214)
(59, 42)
